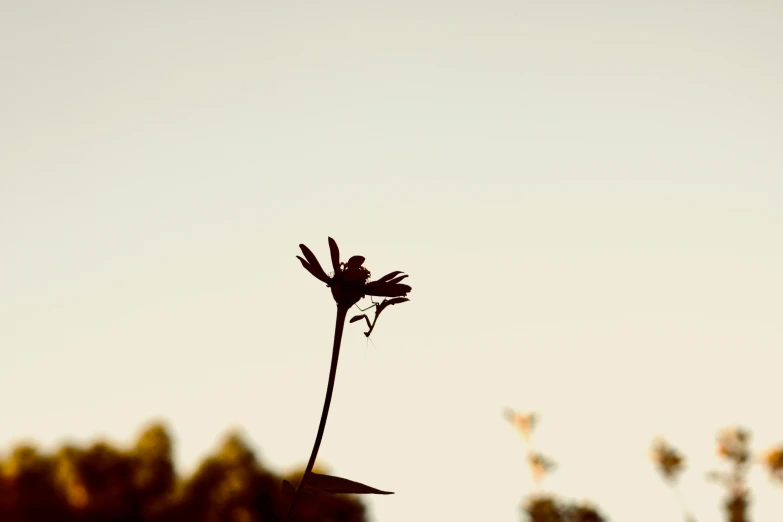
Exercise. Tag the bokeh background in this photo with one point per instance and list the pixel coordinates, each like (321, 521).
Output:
(586, 195)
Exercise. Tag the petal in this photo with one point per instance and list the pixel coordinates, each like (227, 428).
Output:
(335, 255)
(389, 276)
(397, 279)
(316, 269)
(310, 269)
(386, 289)
(355, 261)
(309, 256)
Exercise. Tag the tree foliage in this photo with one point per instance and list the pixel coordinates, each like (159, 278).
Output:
(102, 483)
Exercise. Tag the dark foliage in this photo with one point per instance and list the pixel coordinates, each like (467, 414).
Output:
(106, 484)
(545, 508)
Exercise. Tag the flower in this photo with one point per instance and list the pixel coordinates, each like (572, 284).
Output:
(349, 283)
(668, 459)
(733, 444)
(524, 423)
(539, 465)
(773, 459)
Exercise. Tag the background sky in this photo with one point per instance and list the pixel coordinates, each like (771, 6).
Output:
(586, 195)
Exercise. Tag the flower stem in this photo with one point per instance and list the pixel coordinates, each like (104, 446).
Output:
(342, 312)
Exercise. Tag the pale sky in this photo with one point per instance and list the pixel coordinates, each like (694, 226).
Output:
(588, 197)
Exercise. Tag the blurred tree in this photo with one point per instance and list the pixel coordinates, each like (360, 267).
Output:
(30, 493)
(154, 477)
(543, 509)
(105, 484)
(546, 508)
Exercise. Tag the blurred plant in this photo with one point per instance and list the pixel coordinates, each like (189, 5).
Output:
(524, 423)
(349, 283)
(29, 489)
(671, 464)
(581, 513)
(773, 460)
(547, 508)
(540, 465)
(544, 507)
(733, 446)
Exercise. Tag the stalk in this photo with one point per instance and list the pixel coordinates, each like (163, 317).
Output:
(338, 337)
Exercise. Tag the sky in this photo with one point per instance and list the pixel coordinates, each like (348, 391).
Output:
(586, 195)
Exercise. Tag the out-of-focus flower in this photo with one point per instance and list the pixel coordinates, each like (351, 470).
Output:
(540, 465)
(349, 282)
(669, 461)
(732, 444)
(773, 460)
(524, 423)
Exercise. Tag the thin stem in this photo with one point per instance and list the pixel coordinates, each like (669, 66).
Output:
(684, 505)
(338, 337)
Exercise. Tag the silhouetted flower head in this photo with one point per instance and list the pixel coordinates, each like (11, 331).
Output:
(350, 280)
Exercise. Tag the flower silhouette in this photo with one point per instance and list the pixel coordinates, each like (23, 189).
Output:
(349, 283)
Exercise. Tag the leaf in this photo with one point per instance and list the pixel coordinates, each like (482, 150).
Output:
(332, 484)
(357, 318)
(288, 489)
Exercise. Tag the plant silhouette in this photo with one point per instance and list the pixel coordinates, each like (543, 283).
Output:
(348, 283)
